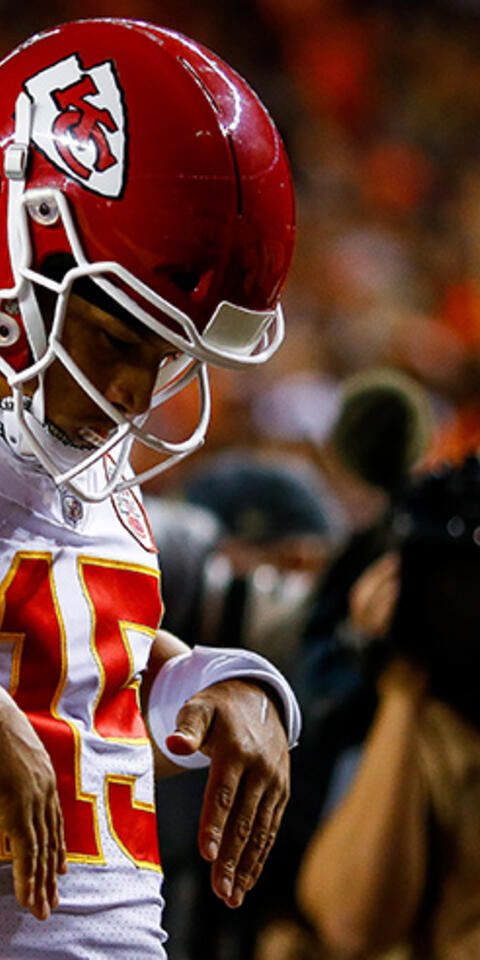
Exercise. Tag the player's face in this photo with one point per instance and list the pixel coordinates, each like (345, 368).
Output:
(121, 358)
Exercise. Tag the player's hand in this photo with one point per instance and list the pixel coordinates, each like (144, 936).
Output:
(237, 725)
(30, 811)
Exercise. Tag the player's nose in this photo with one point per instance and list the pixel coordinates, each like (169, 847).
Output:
(130, 388)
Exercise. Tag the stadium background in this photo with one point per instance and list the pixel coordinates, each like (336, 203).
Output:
(379, 106)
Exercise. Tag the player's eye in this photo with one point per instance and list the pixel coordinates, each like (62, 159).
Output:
(169, 358)
(117, 342)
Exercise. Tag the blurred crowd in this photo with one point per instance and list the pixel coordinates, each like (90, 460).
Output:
(287, 534)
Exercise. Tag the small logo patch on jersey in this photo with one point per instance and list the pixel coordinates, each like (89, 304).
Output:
(72, 508)
(131, 513)
(79, 122)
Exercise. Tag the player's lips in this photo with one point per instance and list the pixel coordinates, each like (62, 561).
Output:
(96, 433)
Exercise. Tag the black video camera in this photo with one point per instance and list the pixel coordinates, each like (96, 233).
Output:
(436, 527)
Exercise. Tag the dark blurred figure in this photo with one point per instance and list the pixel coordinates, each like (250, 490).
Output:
(397, 862)
(381, 433)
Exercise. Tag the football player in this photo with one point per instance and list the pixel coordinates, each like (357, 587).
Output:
(146, 229)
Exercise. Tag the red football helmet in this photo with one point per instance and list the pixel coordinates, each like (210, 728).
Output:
(134, 157)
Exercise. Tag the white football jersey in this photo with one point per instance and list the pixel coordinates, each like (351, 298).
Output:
(80, 603)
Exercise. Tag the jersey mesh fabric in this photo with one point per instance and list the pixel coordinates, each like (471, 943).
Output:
(83, 927)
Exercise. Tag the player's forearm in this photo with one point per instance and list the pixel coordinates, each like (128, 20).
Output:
(165, 645)
(363, 873)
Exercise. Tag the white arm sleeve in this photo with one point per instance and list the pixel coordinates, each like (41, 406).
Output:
(188, 673)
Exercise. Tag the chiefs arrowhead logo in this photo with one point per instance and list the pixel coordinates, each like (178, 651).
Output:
(79, 122)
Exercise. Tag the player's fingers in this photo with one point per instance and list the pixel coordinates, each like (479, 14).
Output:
(236, 834)
(260, 841)
(265, 848)
(43, 862)
(24, 847)
(251, 826)
(193, 725)
(53, 853)
(219, 800)
(62, 865)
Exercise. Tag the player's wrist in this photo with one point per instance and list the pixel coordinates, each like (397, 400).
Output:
(181, 677)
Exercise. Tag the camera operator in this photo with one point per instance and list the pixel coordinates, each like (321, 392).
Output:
(396, 865)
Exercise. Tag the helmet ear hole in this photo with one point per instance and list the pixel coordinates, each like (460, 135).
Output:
(9, 330)
(44, 211)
